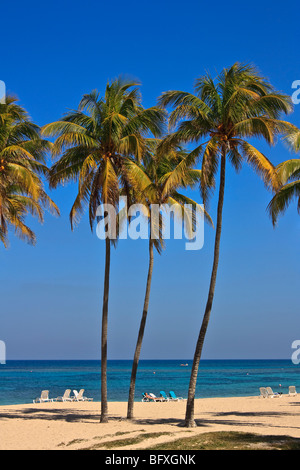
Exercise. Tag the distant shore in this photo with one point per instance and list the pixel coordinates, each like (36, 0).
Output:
(69, 426)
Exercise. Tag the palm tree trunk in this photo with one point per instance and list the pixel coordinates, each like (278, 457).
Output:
(140, 335)
(190, 409)
(104, 407)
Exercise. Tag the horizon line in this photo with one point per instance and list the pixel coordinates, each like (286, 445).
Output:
(161, 359)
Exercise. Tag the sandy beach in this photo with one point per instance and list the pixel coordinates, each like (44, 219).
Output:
(70, 426)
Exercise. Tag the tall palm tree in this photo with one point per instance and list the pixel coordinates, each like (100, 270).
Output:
(22, 165)
(289, 176)
(157, 181)
(93, 143)
(222, 115)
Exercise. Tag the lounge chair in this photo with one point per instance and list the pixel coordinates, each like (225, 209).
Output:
(272, 394)
(44, 398)
(151, 397)
(164, 396)
(174, 397)
(79, 396)
(292, 391)
(263, 392)
(65, 397)
(155, 398)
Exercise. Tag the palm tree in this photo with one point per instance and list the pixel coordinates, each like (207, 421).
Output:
(222, 115)
(289, 175)
(157, 182)
(95, 141)
(22, 165)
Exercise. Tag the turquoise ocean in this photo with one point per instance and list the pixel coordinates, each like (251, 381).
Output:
(22, 381)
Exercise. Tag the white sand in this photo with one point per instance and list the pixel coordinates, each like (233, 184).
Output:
(56, 425)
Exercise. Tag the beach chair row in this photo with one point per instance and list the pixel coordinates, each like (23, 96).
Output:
(150, 397)
(78, 396)
(267, 392)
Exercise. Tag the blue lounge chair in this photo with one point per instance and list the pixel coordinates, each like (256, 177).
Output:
(164, 395)
(174, 397)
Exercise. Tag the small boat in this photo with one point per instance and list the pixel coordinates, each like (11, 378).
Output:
(183, 365)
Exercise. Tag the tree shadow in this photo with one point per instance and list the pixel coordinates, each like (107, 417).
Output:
(52, 414)
(272, 414)
(80, 416)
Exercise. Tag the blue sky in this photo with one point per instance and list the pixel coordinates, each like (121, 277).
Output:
(51, 294)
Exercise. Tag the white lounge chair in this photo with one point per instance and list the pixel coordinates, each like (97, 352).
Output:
(79, 396)
(272, 394)
(263, 392)
(65, 397)
(44, 398)
(292, 391)
(155, 398)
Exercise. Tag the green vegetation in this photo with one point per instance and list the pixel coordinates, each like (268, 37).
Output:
(128, 441)
(289, 175)
(231, 441)
(22, 165)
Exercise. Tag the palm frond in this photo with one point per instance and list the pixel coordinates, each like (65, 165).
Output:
(261, 165)
(283, 198)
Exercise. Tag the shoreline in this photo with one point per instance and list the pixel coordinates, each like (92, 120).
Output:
(140, 400)
(70, 426)
(112, 402)
(13, 405)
